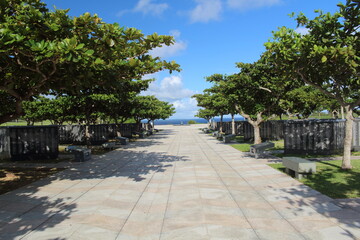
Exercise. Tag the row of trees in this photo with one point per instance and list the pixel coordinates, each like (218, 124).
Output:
(298, 74)
(91, 67)
(96, 108)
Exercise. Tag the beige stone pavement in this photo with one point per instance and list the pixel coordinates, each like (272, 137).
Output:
(177, 184)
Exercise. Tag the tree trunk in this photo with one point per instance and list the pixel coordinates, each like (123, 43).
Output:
(233, 124)
(255, 123)
(342, 112)
(117, 127)
(87, 134)
(221, 124)
(149, 125)
(346, 162)
(257, 137)
(290, 115)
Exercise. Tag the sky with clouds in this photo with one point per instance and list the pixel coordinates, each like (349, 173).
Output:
(211, 35)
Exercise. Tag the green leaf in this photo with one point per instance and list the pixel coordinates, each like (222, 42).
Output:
(89, 52)
(99, 61)
(80, 46)
(324, 59)
(354, 64)
(132, 62)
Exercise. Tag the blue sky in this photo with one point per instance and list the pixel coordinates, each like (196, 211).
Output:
(211, 35)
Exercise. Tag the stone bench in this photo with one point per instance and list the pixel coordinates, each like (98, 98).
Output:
(300, 166)
(121, 140)
(206, 130)
(81, 154)
(109, 145)
(228, 138)
(71, 148)
(258, 149)
(217, 134)
(140, 134)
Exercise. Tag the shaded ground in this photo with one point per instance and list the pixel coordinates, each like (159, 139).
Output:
(14, 178)
(14, 175)
(180, 184)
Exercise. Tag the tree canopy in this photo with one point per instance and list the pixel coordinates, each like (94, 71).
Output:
(326, 58)
(43, 51)
(255, 92)
(151, 108)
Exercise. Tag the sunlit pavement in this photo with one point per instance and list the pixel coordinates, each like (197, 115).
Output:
(177, 184)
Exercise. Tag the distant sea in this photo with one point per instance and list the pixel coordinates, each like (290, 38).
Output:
(185, 121)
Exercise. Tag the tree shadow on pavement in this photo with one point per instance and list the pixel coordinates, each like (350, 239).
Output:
(307, 202)
(46, 203)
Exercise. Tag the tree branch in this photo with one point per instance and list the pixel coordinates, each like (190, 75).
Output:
(355, 104)
(11, 92)
(14, 115)
(341, 101)
(266, 89)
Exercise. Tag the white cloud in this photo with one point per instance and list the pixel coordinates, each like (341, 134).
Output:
(147, 7)
(206, 10)
(302, 30)
(185, 108)
(250, 4)
(169, 89)
(172, 50)
(175, 33)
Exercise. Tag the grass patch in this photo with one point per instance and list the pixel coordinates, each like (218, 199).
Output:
(14, 178)
(355, 153)
(244, 146)
(279, 145)
(331, 180)
(281, 155)
(240, 139)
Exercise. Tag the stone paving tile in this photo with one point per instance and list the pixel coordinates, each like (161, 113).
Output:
(335, 232)
(178, 184)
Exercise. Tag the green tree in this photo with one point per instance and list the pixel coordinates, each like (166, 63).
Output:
(35, 110)
(44, 51)
(58, 110)
(303, 101)
(214, 101)
(205, 113)
(256, 92)
(326, 58)
(223, 103)
(151, 108)
(33, 41)
(63, 109)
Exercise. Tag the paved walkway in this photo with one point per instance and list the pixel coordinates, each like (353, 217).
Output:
(178, 184)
